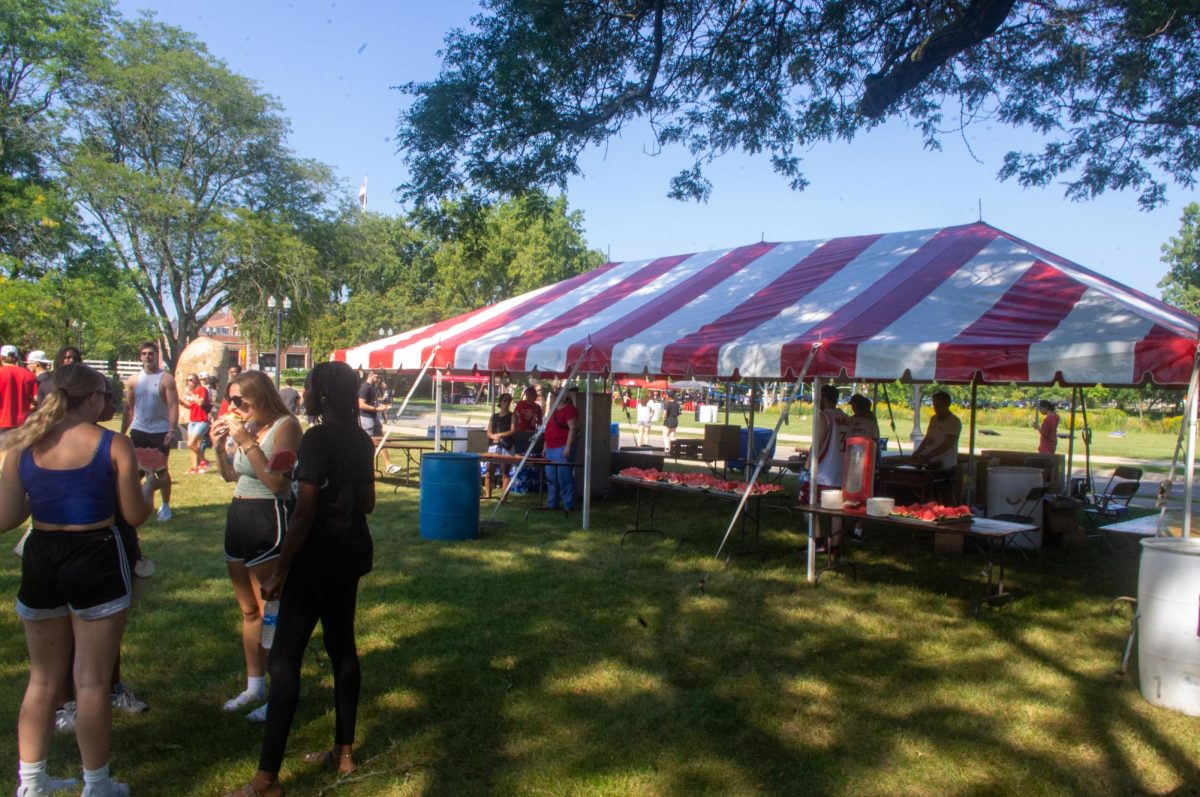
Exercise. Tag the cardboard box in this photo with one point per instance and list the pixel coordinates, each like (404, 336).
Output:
(721, 442)
(948, 542)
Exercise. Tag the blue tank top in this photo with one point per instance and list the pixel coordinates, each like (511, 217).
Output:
(76, 496)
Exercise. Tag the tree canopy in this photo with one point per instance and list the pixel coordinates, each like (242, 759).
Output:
(1110, 84)
(183, 165)
(1181, 286)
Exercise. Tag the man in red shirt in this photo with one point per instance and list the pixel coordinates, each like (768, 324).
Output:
(561, 431)
(18, 386)
(527, 417)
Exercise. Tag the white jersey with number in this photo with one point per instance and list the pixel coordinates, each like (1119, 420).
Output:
(832, 448)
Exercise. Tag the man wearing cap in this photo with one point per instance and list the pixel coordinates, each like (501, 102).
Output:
(39, 364)
(17, 388)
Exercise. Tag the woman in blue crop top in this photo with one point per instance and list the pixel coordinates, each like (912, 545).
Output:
(262, 428)
(75, 577)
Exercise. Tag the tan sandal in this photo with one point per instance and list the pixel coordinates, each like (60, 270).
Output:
(342, 763)
(249, 791)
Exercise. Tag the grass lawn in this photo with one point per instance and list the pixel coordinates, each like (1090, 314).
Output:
(544, 660)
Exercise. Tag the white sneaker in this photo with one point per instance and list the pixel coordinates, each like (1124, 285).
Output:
(143, 568)
(164, 513)
(393, 469)
(244, 699)
(125, 700)
(51, 786)
(64, 718)
(106, 788)
(259, 714)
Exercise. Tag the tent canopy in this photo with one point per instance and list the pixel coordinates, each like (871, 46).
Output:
(941, 305)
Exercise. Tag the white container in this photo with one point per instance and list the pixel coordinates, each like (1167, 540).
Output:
(832, 499)
(1007, 487)
(1169, 622)
(460, 442)
(880, 507)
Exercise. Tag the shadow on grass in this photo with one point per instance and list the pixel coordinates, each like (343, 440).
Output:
(546, 660)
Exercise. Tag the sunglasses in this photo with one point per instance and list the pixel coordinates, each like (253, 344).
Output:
(236, 401)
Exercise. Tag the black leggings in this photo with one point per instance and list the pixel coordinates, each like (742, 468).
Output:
(303, 603)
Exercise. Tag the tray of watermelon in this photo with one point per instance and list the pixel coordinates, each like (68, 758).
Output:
(933, 512)
(697, 481)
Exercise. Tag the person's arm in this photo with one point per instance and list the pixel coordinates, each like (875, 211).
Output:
(170, 397)
(14, 502)
(287, 438)
(218, 434)
(299, 525)
(127, 412)
(132, 502)
(572, 425)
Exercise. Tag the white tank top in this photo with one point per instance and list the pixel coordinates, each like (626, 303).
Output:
(149, 410)
(830, 453)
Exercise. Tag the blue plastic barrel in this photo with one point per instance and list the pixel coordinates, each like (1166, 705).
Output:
(449, 496)
(761, 438)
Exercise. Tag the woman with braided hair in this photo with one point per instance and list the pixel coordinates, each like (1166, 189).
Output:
(73, 476)
(326, 550)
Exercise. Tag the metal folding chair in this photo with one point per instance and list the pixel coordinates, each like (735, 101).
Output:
(1024, 511)
(1112, 503)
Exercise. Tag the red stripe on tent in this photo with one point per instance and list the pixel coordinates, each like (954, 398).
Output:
(699, 350)
(450, 345)
(879, 305)
(997, 343)
(659, 308)
(512, 353)
(1165, 355)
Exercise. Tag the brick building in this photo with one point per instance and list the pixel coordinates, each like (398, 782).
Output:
(223, 327)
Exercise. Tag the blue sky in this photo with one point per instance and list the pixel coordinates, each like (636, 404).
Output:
(334, 66)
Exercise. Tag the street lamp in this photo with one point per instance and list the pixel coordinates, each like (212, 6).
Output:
(280, 308)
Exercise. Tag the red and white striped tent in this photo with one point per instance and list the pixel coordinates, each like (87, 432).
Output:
(941, 304)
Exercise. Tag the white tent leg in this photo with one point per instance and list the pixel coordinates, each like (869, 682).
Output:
(437, 410)
(813, 497)
(917, 434)
(587, 455)
(1189, 474)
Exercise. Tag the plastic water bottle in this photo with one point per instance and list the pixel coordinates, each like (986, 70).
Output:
(269, 620)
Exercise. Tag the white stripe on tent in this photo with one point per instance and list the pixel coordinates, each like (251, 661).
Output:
(551, 353)
(476, 353)
(357, 357)
(629, 356)
(758, 353)
(1096, 342)
(953, 306)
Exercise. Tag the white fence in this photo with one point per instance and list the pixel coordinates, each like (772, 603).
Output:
(124, 367)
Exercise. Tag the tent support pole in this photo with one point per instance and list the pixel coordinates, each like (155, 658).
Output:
(971, 447)
(814, 496)
(751, 454)
(1071, 441)
(437, 410)
(787, 403)
(1189, 475)
(537, 435)
(917, 435)
(587, 454)
(411, 390)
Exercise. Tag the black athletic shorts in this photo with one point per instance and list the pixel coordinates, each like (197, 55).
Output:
(150, 440)
(254, 529)
(86, 573)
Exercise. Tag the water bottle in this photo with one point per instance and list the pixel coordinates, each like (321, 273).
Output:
(269, 620)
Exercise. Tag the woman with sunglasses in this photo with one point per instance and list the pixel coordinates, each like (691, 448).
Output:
(327, 550)
(261, 427)
(75, 477)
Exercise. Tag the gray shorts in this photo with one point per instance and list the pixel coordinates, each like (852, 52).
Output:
(371, 425)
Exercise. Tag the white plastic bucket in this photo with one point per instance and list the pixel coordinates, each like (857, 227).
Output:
(1169, 623)
(1006, 490)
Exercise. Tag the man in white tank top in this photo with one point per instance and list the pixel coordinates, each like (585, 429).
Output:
(152, 416)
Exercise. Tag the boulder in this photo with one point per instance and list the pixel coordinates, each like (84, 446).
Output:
(202, 356)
